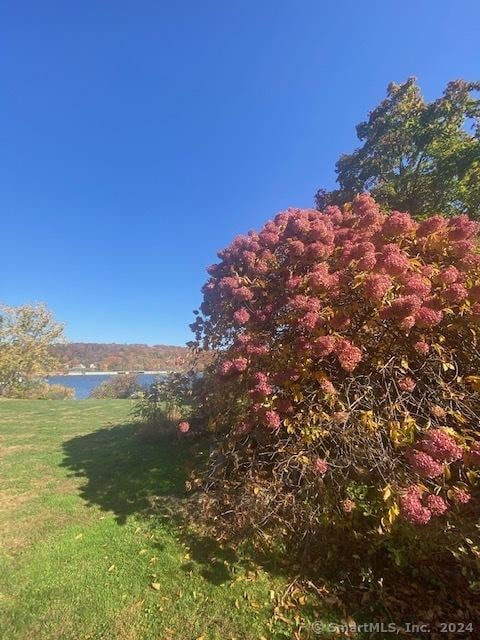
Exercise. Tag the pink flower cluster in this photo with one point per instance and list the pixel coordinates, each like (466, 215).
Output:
(440, 445)
(435, 449)
(424, 464)
(184, 426)
(320, 466)
(416, 512)
(312, 291)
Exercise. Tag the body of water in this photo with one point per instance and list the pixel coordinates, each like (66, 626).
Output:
(84, 385)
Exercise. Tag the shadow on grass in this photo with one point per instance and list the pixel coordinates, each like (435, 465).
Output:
(123, 474)
(126, 475)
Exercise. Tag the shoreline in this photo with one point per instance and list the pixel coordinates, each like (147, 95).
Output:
(105, 373)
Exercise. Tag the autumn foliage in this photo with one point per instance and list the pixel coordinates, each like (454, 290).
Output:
(346, 387)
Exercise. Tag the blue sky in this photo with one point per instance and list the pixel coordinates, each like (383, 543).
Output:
(138, 138)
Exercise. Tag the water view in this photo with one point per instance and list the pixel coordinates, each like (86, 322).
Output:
(83, 385)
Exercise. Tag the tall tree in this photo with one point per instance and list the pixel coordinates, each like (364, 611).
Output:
(416, 156)
(26, 333)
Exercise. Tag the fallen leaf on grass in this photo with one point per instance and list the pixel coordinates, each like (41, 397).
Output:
(155, 585)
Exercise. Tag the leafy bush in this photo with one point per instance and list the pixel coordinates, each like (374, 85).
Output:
(40, 390)
(120, 386)
(346, 387)
(166, 401)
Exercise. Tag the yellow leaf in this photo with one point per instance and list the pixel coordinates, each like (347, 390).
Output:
(472, 476)
(155, 586)
(387, 492)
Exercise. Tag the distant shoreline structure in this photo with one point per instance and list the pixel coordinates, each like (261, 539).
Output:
(108, 373)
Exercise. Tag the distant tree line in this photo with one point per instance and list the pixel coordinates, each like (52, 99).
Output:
(120, 357)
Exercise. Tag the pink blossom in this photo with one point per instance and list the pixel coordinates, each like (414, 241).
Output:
(427, 271)
(407, 384)
(244, 427)
(229, 283)
(300, 226)
(241, 316)
(293, 283)
(297, 248)
(449, 275)
(436, 505)
(422, 347)
(398, 223)
(455, 293)
(334, 214)
(242, 340)
(183, 427)
(461, 228)
(308, 321)
(362, 249)
(319, 278)
(324, 346)
(431, 225)
(339, 322)
(272, 420)
(225, 368)
(269, 238)
(239, 364)
(394, 261)
(326, 386)
(440, 446)
(348, 505)
(427, 317)
(418, 285)
(321, 231)
(407, 323)
(423, 464)
(348, 355)
(411, 508)
(460, 495)
(320, 466)
(367, 263)
(262, 389)
(402, 307)
(318, 251)
(242, 293)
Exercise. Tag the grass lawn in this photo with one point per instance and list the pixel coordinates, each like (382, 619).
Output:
(81, 545)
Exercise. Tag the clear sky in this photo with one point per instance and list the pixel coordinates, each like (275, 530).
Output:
(139, 137)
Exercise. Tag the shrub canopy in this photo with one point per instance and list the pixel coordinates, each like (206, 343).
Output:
(346, 383)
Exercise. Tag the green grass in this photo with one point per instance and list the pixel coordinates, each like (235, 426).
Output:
(82, 541)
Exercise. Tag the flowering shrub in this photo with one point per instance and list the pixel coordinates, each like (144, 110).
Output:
(347, 357)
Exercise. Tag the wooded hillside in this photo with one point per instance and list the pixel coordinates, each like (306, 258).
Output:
(120, 357)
